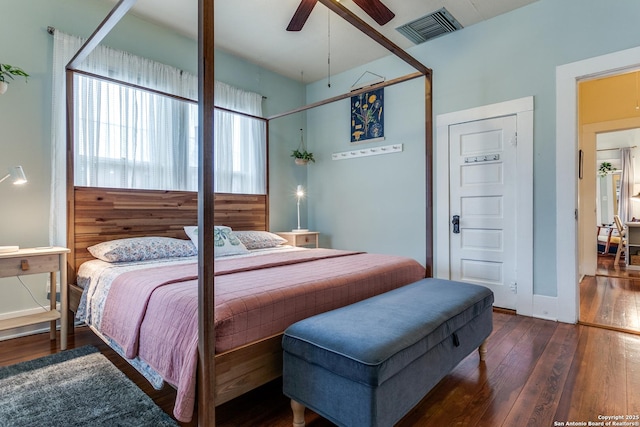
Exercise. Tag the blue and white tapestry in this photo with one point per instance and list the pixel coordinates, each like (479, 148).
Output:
(367, 116)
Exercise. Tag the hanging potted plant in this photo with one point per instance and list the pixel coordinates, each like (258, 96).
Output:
(605, 168)
(301, 155)
(8, 72)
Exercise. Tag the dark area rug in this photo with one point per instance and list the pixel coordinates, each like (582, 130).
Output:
(78, 387)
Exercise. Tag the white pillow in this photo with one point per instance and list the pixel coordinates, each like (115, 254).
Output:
(225, 241)
(192, 233)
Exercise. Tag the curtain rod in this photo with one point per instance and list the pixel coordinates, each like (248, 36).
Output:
(619, 148)
(51, 30)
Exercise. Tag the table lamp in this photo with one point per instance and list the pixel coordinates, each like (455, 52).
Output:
(299, 196)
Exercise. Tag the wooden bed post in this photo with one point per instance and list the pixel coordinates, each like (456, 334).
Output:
(428, 127)
(206, 329)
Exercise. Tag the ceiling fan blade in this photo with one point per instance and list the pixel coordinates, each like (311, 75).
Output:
(376, 10)
(302, 13)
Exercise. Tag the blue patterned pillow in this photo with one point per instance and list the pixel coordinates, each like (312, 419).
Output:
(142, 249)
(225, 241)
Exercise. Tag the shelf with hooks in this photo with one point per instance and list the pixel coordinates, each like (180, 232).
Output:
(363, 152)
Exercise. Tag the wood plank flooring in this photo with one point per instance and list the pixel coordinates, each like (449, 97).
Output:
(611, 299)
(537, 373)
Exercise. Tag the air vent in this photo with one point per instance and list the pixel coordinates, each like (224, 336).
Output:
(430, 26)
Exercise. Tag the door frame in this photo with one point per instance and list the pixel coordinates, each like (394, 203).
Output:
(567, 158)
(522, 108)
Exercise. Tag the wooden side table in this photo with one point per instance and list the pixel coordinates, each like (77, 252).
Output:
(301, 238)
(40, 260)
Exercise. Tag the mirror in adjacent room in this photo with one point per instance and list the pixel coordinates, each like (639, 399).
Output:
(608, 189)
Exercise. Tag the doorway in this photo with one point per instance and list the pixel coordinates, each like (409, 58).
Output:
(610, 297)
(567, 170)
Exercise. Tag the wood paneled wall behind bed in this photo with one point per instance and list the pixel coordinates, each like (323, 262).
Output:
(101, 214)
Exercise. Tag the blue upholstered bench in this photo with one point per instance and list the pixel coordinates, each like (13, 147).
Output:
(369, 363)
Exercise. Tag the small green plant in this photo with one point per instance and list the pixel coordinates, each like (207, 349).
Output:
(605, 168)
(9, 71)
(303, 155)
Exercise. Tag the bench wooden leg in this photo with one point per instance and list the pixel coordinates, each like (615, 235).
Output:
(483, 351)
(298, 413)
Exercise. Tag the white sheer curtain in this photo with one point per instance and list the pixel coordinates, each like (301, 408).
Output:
(239, 142)
(132, 138)
(64, 48)
(627, 178)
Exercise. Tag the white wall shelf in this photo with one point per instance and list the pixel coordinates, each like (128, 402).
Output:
(363, 152)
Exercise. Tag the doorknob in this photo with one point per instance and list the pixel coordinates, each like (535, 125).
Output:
(456, 224)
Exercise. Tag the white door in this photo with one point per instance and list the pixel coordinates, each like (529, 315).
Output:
(482, 201)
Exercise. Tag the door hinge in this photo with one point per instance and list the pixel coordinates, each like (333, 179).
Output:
(514, 140)
(575, 214)
(514, 287)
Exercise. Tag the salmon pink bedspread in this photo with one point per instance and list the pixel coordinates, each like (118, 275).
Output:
(153, 313)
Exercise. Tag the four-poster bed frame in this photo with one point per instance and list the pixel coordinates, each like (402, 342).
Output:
(95, 215)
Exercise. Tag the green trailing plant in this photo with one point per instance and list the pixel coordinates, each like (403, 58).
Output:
(7, 73)
(605, 168)
(303, 155)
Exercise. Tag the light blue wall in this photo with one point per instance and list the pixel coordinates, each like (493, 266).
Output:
(25, 114)
(377, 204)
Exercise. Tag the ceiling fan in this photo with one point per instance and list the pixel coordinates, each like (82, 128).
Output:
(374, 8)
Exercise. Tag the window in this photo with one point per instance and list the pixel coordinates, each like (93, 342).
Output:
(127, 137)
(131, 138)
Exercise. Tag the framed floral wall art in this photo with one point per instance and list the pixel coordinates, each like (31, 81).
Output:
(367, 116)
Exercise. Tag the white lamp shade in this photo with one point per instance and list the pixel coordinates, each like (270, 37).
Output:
(17, 175)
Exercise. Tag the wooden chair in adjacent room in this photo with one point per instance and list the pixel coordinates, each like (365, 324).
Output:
(607, 242)
(622, 232)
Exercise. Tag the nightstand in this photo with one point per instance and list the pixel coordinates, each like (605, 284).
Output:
(39, 260)
(302, 238)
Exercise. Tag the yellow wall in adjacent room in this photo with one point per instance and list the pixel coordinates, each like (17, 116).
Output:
(610, 98)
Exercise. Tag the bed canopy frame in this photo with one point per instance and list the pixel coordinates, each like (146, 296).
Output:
(206, 199)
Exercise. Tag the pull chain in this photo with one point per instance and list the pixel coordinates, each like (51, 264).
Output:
(301, 146)
(328, 48)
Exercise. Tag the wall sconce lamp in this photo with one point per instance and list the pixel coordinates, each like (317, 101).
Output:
(299, 196)
(16, 173)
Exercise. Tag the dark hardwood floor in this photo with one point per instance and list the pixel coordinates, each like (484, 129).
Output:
(611, 299)
(538, 372)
